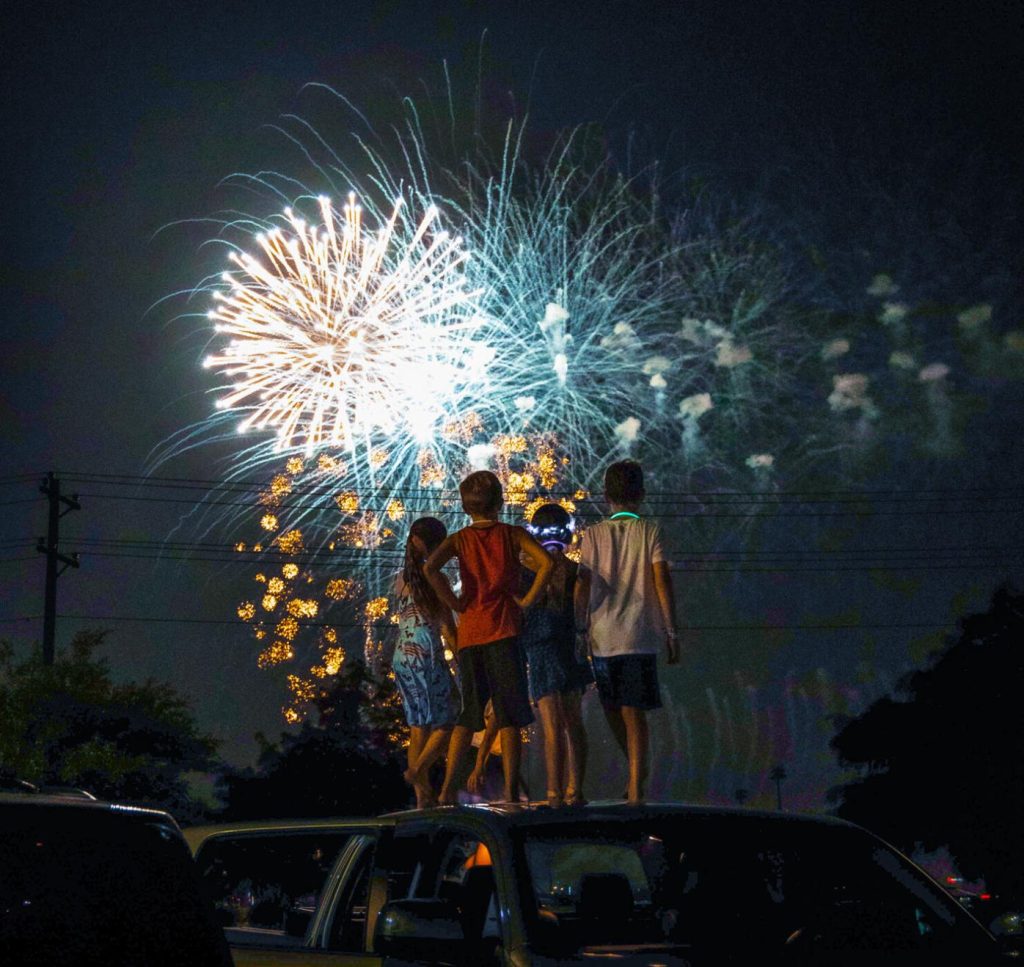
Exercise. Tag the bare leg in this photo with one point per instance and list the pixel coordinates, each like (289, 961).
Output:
(436, 743)
(457, 746)
(576, 747)
(417, 738)
(637, 743)
(613, 716)
(552, 725)
(511, 756)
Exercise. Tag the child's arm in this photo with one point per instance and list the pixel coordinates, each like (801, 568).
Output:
(667, 602)
(445, 620)
(541, 563)
(432, 571)
(581, 597)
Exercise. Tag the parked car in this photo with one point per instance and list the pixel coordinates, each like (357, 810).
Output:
(514, 885)
(85, 882)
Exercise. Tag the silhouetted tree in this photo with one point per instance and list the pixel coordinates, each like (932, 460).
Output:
(345, 764)
(942, 762)
(68, 724)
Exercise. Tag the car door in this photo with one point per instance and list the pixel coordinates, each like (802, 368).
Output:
(291, 897)
(450, 864)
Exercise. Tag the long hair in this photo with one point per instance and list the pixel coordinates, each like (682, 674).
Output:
(557, 596)
(432, 532)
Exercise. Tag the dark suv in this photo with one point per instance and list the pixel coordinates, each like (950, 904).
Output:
(88, 882)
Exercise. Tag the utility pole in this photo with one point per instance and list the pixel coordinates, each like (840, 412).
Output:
(777, 775)
(51, 487)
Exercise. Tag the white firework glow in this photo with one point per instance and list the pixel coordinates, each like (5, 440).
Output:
(582, 316)
(332, 330)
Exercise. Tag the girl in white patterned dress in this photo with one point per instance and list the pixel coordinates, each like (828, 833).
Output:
(423, 677)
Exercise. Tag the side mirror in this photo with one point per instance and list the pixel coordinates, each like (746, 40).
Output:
(429, 930)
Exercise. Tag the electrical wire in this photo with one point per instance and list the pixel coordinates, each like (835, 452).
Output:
(154, 619)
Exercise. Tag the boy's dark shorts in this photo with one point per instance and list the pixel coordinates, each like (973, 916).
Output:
(630, 680)
(494, 671)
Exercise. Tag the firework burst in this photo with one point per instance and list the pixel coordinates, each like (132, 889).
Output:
(331, 328)
(378, 368)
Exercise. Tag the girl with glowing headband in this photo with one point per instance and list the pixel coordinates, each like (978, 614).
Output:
(557, 675)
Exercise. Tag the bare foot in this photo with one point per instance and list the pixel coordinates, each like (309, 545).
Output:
(410, 776)
(425, 797)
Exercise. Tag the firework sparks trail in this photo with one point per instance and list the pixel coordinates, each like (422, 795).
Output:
(581, 315)
(331, 330)
(306, 601)
(585, 326)
(389, 365)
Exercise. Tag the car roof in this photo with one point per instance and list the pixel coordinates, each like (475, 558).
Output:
(524, 815)
(28, 802)
(195, 835)
(496, 816)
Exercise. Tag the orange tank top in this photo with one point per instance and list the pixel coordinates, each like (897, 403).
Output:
(489, 569)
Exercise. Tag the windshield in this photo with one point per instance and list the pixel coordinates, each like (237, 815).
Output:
(729, 884)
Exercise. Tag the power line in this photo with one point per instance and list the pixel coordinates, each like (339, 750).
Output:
(738, 568)
(689, 552)
(154, 619)
(693, 514)
(19, 478)
(261, 486)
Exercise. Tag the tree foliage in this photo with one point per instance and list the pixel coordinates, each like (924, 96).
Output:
(69, 724)
(941, 763)
(347, 764)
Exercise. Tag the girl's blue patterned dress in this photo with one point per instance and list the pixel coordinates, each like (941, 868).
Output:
(548, 640)
(422, 675)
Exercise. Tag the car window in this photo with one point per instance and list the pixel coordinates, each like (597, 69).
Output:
(454, 866)
(731, 888)
(559, 869)
(405, 859)
(266, 886)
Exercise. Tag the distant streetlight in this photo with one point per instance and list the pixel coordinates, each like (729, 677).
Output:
(777, 775)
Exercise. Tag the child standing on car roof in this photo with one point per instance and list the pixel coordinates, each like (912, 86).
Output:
(557, 675)
(624, 600)
(487, 780)
(425, 682)
(489, 657)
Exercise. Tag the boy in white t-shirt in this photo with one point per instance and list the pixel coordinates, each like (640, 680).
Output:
(624, 600)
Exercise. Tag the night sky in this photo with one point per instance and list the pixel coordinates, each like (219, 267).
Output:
(122, 120)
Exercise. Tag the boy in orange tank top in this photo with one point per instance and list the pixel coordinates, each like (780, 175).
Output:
(490, 663)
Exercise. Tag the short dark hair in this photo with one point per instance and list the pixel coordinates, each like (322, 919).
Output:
(481, 493)
(624, 482)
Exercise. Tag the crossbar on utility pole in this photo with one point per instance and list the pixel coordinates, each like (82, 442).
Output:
(50, 547)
